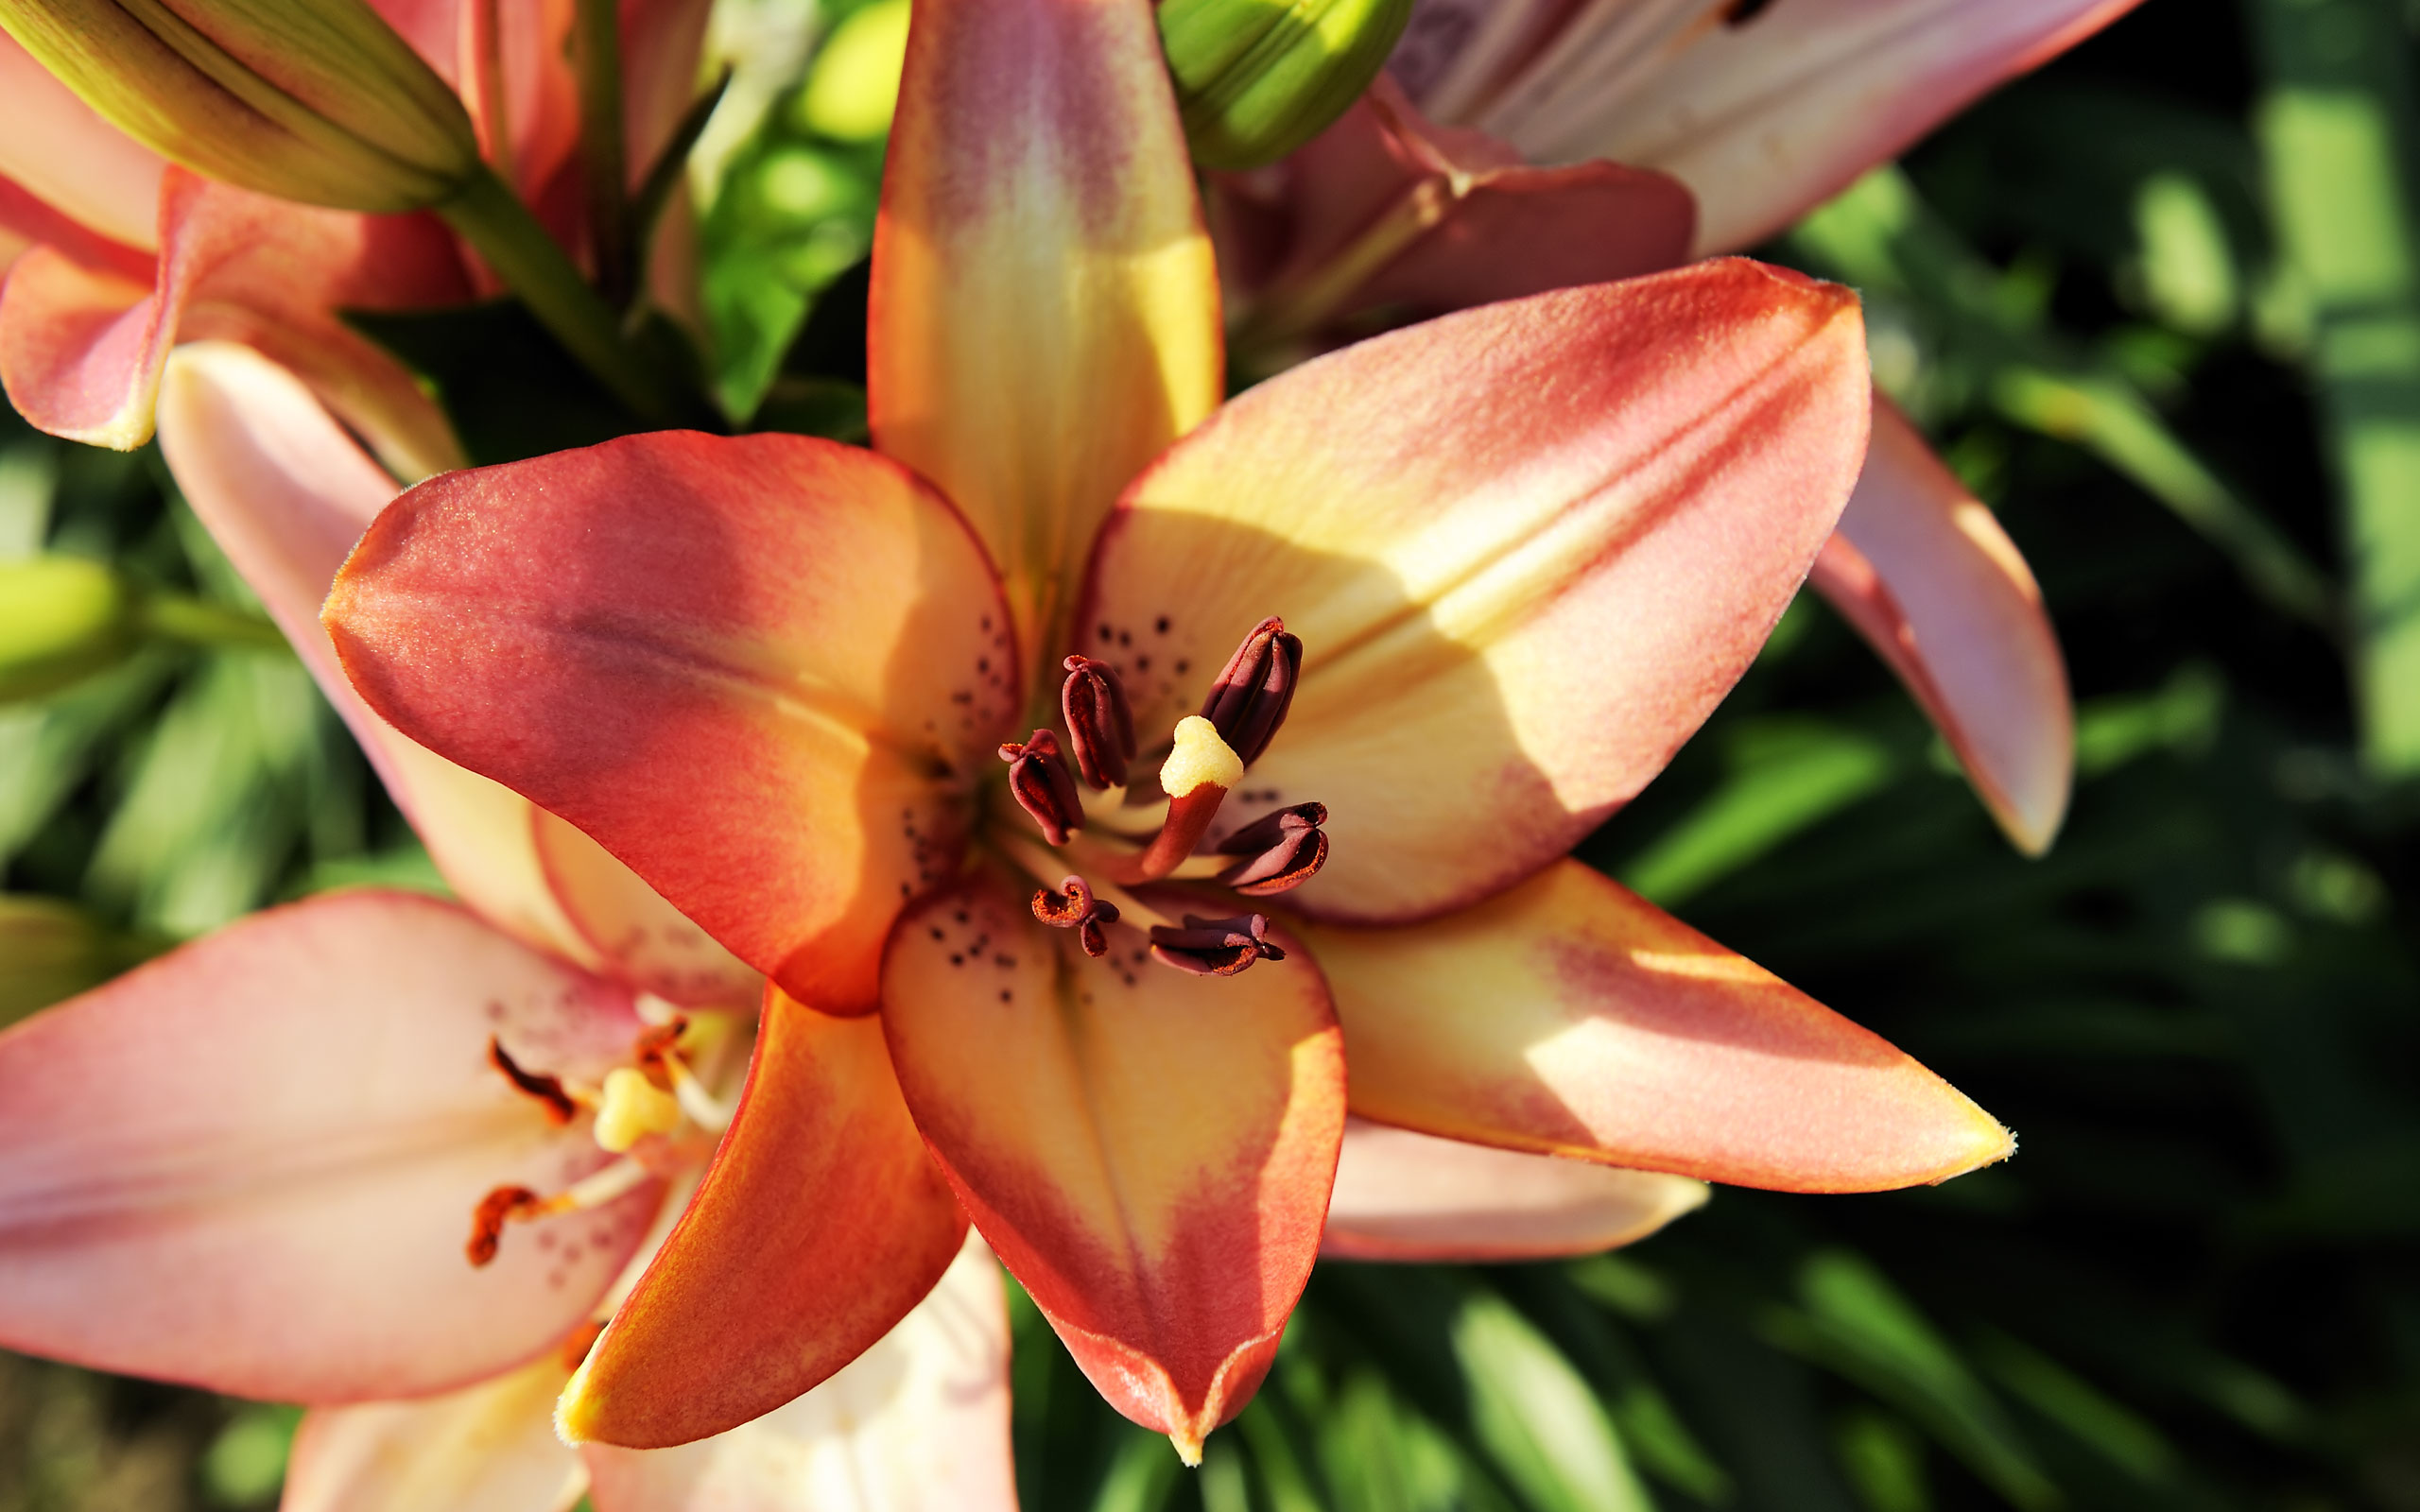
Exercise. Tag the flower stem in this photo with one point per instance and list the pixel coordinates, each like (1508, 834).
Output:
(597, 57)
(494, 222)
(198, 621)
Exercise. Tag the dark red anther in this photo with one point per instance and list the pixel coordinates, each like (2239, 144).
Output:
(1073, 906)
(488, 1218)
(1282, 849)
(1214, 946)
(1038, 779)
(543, 1088)
(1100, 726)
(1254, 689)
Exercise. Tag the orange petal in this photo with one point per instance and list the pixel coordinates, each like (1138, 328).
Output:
(917, 1423)
(58, 149)
(1765, 116)
(488, 1447)
(81, 348)
(1928, 576)
(820, 1225)
(1044, 315)
(761, 671)
(1407, 1196)
(252, 1163)
(1150, 1152)
(285, 494)
(1528, 548)
(1572, 1017)
(1387, 210)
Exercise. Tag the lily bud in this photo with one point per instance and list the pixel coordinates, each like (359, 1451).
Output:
(1257, 79)
(312, 101)
(62, 620)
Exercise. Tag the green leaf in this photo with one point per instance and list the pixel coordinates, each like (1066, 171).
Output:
(1536, 1418)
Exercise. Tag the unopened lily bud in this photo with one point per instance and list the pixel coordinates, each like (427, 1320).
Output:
(62, 620)
(313, 100)
(1257, 79)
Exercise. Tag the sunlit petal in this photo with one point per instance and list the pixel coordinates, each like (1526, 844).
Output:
(761, 671)
(1044, 315)
(1408, 1196)
(488, 1447)
(252, 1163)
(1527, 548)
(917, 1423)
(1928, 576)
(1570, 1017)
(820, 1225)
(1150, 1152)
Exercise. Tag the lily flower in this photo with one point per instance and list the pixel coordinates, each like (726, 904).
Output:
(1478, 171)
(112, 256)
(388, 1155)
(1318, 688)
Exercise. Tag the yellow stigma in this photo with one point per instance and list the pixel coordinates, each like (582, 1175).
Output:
(1200, 757)
(632, 1108)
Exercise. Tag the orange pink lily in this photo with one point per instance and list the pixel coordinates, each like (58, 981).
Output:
(1479, 579)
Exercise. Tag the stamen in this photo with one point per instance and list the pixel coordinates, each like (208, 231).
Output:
(1214, 946)
(633, 1108)
(1283, 850)
(1100, 726)
(1196, 776)
(545, 1089)
(1038, 779)
(1256, 688)
(489, 1217)
(705, 1108)
(1073, 906)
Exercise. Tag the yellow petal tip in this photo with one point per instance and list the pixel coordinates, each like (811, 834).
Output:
(1189, 1447)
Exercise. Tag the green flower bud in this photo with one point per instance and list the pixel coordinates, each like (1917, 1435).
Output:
(62, 620)
(313, 100)
(1257, 79)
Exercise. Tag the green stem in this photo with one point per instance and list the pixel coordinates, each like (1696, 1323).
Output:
(597, 57)
(198, 621)
(499, 226)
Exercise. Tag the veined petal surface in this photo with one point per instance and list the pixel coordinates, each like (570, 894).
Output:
(762, 671)
(1149, 1152)
(1572, 1017)
(286, 494)
(81, 348)
(917, 1423)
(1527, 547)
(486, 1448)
(252, 1164)
(1768, 115)
(1928, 577)
(59, 149)
(1404, 1196)
(1045, 315)
(820, 1224)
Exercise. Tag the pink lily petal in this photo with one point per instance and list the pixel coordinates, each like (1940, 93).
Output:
(1045, 309)
(1528, 547)
(81, 352)
(821, 1223)
(1572, 1017)
(1766, 116)
(1387, 210)
(27, 220)
(917, 1423)
(286, 492)
(1927, 576)
(761, 670)
(486, 1448)
(1409, 1197)
(60, 150)
(252, 1164)
(1150, 1152)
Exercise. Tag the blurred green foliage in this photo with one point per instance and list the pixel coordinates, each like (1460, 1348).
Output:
(2117, 293)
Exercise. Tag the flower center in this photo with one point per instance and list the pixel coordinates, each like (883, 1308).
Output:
(1128, 831)
(657, 1114)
